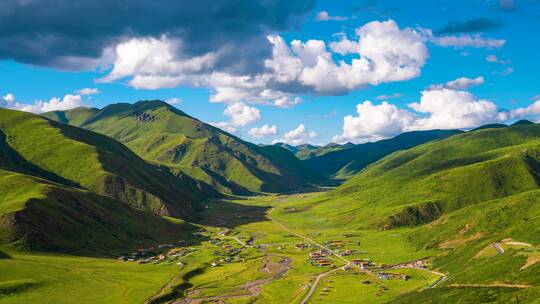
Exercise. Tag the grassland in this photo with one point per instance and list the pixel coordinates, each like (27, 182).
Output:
(244, 225)
(35, 278)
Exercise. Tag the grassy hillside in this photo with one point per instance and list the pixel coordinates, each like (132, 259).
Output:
(159, 132)
(418, 185)
(38, 215)
(65, 189)
(36, 278)
(95, 162)
(346, 160)
(455, 199)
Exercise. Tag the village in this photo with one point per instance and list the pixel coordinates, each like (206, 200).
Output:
(322, 257)
(159, 253)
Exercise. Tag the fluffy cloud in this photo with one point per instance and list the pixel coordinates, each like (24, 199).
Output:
(153, 63)
(374, 122)
(241, 114)
(381, 52)
(450, 109)
(437, 109)
(531, 110)
(324, 16)
(461, 83)
(54, 104)
(87, 91)
(263, 131)
(298, 136)
(66, 36)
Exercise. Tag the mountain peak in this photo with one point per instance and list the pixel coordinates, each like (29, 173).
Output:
(523, 122)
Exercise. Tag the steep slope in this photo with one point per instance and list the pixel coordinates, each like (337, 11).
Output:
(159, 132)
(346, 160)
(33, 145)
(459, 198)
(39, 215)
(418, 185)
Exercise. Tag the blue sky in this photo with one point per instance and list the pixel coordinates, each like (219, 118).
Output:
(508, 70)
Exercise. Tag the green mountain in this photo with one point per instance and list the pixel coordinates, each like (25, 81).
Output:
(69, 189)
(491, 126)
(420, 184)
(40, 215)
(161, 133)
(98, 163)
(343, 161)
(523, 122)
(459, 198)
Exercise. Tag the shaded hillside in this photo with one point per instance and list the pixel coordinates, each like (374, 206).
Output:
(39, 215)
(346, 160)
(33, 145)
(159, 132)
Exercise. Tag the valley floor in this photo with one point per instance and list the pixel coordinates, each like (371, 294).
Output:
(260, 250)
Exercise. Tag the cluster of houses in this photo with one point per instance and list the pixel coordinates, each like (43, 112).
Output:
(156, 253)
(364, 264)
(320, 258)
(229, 253)
(389, 276)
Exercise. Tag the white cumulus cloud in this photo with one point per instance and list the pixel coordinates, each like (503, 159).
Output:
(374, 122)
(437, 109)
(450, 109)
(153, 63)
(241, 114)
(298, 136)
(54, 104)
(379, 52)
(263, 131)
